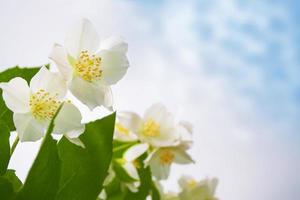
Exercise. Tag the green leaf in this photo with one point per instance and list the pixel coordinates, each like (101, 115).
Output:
(6, 189)
(5, 76)
(43, 178)
(84, 169)
(9, 185)
(4, 147)
(155, 195)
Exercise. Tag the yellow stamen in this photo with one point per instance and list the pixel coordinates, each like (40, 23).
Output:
(150, 128)
(166, 157)
(43, 105)
(121, 129)
(191, 183)
(88, 66)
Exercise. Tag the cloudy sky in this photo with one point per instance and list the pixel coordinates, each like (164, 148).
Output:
(231, 67)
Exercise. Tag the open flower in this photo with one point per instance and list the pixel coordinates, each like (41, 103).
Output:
(34, 106)
(90, 67)
(202, 190)
(160, 160)
(157, 127)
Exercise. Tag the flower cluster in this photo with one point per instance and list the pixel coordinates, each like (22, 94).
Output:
(155, 141)
(140, 149)
(157, 134)
(86, 68)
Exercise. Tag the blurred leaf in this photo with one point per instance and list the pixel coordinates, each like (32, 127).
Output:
(5, 76)
(12, 177)
(84, 169)
(4, 147)
(6, 189)
(43, 178)
(155, 195)
(9, 185)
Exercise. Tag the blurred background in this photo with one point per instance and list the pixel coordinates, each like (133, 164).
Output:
(231, 67)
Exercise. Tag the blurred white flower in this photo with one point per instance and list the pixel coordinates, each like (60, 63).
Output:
(90, 67)
(157, 127)
(170, 196)
(160, 160)
(202, 190)
(126, 123)
(34, 106)
(129, 159)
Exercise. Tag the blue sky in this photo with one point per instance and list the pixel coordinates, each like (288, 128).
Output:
(259, 39)
(230, 67)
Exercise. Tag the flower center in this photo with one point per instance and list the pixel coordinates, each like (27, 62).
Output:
(88, 66)
(121, 129)
(43, 105)
(150, 128)
(166, 157)
(191, 183)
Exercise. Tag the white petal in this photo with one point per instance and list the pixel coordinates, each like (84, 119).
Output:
(51, 82)
(168, 134)
(127, 137)
(114, 65)
(102, 194)
(187, 125)
(111, 175)
(184, 180)
(76, 141)
(149, 157)
(131, 170)
(28, 128)
(130, 120)
(16, 95)
(158, 170)
(157, 112)
(83, 36)
(135, 151)
(68, 121)
(115, 44)
(60, 57)
(133, 186)
(181, 156)
(92, 94)
(161, 172)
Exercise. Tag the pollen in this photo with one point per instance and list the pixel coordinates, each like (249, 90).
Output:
(121, 129)
(150, 128)
(43, 105)
(88, 66)
(166, 157)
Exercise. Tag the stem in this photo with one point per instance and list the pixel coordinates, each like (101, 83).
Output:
(124, 146)
(13, 147)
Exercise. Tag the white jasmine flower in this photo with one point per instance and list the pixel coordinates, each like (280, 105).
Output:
(157, 127)
(160, 160)
(126, 123)
(129, 159)
(202, 190)
(34, 106)
(90, 66)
